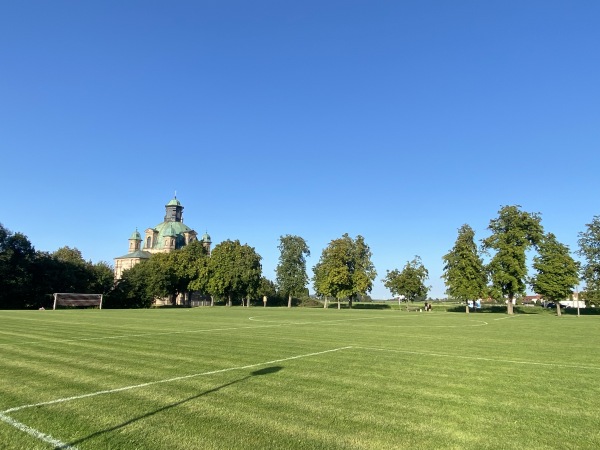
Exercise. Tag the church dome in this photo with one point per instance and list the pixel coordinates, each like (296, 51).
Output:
(136, 236)
(170, 229)
(206, 238)
(174, 202)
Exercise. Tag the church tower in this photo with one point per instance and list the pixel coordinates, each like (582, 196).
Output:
(135, 241)
(174, 211)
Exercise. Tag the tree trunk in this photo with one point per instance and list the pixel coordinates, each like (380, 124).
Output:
(229, 300)
(325, 303)
(212, 301)
(558, 313)
(509, 306)
(290, 301)
(350, 302)
(467, 308)
(339, 307)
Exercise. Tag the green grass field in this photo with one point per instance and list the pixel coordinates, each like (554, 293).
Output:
(236, 378)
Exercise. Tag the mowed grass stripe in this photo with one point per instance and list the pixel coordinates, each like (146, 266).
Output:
(356, 398)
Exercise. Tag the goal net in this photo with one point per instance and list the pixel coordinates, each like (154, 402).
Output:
(70, 299)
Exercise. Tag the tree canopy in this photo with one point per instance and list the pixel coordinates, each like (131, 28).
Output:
(344, 269)
(464, 272)
(409, 282)
(589, 249)
(557, 272)
(235, 271)
(513, 233)
(291, 277)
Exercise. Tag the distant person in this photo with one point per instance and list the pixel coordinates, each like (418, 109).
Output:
(264, 301)
(478, 303)
(470, 303)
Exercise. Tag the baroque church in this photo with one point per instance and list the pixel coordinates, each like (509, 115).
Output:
(169, 235)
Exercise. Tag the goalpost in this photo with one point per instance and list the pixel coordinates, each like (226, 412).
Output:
(71, 299)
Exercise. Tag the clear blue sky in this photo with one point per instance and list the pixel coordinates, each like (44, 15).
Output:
(396, 120)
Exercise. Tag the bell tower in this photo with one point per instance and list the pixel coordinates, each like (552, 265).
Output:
(174, 211)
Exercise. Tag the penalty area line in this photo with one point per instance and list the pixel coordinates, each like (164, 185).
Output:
(35, 433)
(168, 380)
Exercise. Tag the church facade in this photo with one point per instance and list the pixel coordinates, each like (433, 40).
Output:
(169, 235)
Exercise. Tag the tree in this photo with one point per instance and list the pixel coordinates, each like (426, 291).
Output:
(234, 269)
(344, 269)
(410, 282)
(291, 274)
(589, 249)
(103, 278)
(132, 289)
(162, 279)
(72, 273)
(513, 233)
(464, 272)
(17, 257)
(191, 268)
(557, 271)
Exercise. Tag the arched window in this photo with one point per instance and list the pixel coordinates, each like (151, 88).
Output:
(148, 242)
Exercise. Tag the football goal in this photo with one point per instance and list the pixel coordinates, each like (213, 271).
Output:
(71, 299)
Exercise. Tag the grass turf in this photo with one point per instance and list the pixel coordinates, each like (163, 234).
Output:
(275, 378)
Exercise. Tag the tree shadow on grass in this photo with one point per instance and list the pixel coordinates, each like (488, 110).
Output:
(370, 306)
(495, 309)
(582, 311)
(265, 371)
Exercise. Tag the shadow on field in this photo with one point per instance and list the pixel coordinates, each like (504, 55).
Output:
(265, 371)
(495, 309)
(370, 306)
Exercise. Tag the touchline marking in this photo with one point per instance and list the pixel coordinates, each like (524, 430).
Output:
(168, 380)
(478, 358)
(35, 433)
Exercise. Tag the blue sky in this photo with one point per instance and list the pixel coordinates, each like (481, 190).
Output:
(398, 121)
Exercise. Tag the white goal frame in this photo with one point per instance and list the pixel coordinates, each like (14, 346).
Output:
(74, 299)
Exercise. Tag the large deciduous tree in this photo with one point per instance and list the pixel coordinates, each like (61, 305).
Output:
(464, 272)
(557, 271)
(133, 289)
(513, 233)
(589, 249)
(291, 277)
(410, 282)
(344, 269)
(17, 257)
(191, 269)
(235, 271)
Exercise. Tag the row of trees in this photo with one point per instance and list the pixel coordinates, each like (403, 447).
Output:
(233, 272)
(29, 277)
(513, 233)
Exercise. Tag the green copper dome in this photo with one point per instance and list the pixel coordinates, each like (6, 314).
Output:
(170, 229)
(136, 236)
(174, 202)
(206, 238)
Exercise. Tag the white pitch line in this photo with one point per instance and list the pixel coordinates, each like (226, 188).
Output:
(35, 433)
(478, 358)
(125, 336)
(168, 380)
